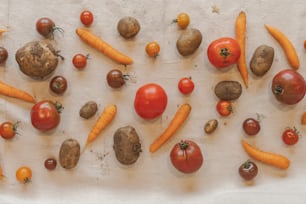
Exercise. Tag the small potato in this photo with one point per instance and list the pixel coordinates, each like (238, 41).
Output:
(228, 90)
(69, 153)
(88, 110)
(127, 146)
(128, 27)
(189, 41)
(210, 126)
(262, 60)
(37, 59)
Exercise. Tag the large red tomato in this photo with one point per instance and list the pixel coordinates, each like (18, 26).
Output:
(186, 156)
(288, 86)
(150, 101)
(45, 115)
(223, 52)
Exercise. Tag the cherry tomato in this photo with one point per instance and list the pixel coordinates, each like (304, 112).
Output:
(58, 84)
(115, 78)
(182, 20)
(150, 101)
(45, 115)
(224, 108)
(8, 129)
(223, 52)
(86, 17)
(46, 27)
(79, 61)
(251, 126)
(50, 163)
(24, 174)
(3, 55)
(186, 156)
(152, 49)
(248, 170)
(304, 44)
(185, 85)
(290, 136)
(288, 86)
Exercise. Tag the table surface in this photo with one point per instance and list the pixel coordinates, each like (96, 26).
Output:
(98, 177)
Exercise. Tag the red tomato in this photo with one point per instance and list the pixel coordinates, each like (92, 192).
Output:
(288, 86)
(45, 115)
(150, 101)
(86, 17)
(290, 136)
(224, 108)
(79, 61)
(185, 85)
(223, 52)
(251, 126)
(8, 130)
(186, 156)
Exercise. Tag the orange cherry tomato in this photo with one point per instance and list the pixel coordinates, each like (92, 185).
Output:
(79, 61)
(224, 108)
(8, 130)
(24, 174)
(305, 44)
(152, 49)
(182, 20)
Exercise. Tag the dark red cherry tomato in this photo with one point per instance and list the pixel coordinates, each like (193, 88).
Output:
(248, 170)
(251, 126)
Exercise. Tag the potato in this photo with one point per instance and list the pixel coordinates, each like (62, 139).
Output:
(127, 146)
(210, 126)
(128, 27)
(88, 110)
(189, 41)
(37, 59)
(262, 60)
(228, 90)
(69, 153)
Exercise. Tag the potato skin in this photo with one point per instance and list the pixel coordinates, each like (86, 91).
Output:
(210, 126)
(69, 153)
(88, 110)
(127, 146)
(262, 60)
(37, 59)
(128, 27)
(189, 41)
(228, 90)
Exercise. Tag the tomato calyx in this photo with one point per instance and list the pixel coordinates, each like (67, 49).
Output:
(183, 145)
(247, 164)
(278, 90)
(57, 53)
(59, 107)
(224, 52)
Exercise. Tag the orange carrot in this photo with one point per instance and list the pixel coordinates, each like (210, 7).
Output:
(270, 158)
(103, 121)
(2, 31)
(240, 29)
(287, 46)
(11, 91)
(179, 118)
(303, 121)
(103, 46)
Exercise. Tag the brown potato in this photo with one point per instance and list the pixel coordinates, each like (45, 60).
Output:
(127, 146)
(210, 126)
(88, 110)
(128, 27)
(189, 41)
(262, 60)
(69, 153)
(228, 90)
(37, 59)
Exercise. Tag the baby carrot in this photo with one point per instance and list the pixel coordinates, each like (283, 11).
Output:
(179, 118)
(287, 46)
(103, 46)
(11, 91)
(103, 121)
(303, 120)
(270, 158)
(240, 29)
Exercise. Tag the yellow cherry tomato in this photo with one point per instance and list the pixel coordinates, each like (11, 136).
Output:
(182, 20)
(152, 49)
(24, 174)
